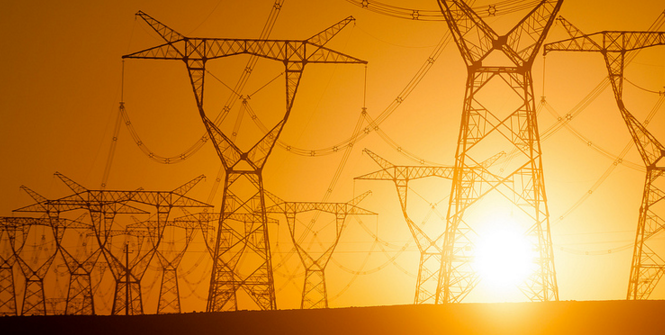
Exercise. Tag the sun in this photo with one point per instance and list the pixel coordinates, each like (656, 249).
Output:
(503, 256)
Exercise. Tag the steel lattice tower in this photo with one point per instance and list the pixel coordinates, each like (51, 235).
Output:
(169, 261)
(485, 131)
(647, 266)
(79, 300)
(429, 246)
(315, 294)
(34, 271)
(12, 238)
(243, 229)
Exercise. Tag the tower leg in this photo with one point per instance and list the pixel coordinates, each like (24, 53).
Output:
(79, 296)
(314, 294)
(242, 259)
(647, 266)
(7, 292)
(169, 294)
(34, 302)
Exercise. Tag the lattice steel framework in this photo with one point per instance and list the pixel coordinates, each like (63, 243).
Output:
(483, 128)
(103, 206)
(315, 294)
(429, 246)
(102, 213)
(35, 266)
(79, 300)
(12, 239)
(243, 231)
(169, 260)
(647, 266)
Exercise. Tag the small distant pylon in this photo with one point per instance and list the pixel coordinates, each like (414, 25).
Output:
(647, 266)
(34, 267)
(315, 293)
(12, 239)
(169, 261)
(79, 262)
(430, 247)
(128, 271)
(488, 128)
(243, 231)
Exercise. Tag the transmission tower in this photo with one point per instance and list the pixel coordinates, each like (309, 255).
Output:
(79, 300)
(169, 260)
(430, 247)
(243, 229)
(315, 294)
(129, 270)
(12, 239)
(35, 265)
(487, 128)
(647, 266)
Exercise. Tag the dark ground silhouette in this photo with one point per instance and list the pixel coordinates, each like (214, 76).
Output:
(566, 317)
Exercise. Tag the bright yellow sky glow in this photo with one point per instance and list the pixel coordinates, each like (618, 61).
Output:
(61, 77)
(503, 255)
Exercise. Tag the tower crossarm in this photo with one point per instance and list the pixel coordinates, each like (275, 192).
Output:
(167, 199)
(179, 47)
(74, 186)
(609, 41)
(73, 202)
(614, 45)
(323, 37)
(476, 39)
(335, 208)
(183, 189)
(393, 172)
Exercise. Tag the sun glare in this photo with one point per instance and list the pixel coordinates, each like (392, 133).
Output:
(503, 255)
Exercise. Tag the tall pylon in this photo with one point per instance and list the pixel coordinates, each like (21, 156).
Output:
(243, 231)
(315, 293)
(647, 265)
(429, 245)
(489, 126)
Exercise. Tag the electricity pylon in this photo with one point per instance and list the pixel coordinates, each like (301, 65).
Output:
(315, 293)
(128, 271)
(13, 231)
(487, 128)
(647, 266)
(34, 266)
(169, 260)
(80, 263)
(429, 246)
(243, 232)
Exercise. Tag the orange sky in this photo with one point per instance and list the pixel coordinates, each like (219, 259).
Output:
(61, 83)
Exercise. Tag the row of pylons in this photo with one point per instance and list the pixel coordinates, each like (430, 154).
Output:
(236, 237)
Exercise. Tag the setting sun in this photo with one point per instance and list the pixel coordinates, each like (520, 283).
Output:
(503, 255)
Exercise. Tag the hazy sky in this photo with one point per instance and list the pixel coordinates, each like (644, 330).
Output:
(61, 84)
